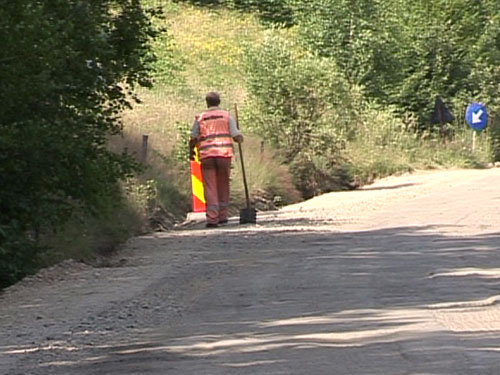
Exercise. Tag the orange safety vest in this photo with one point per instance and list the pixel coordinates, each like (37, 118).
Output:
(215, 140)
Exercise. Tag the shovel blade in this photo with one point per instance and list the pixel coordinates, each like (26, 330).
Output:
(248, 215)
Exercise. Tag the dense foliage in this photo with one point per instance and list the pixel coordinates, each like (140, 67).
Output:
(309, 97)
(405, 53)
(269, 11)
(330, 70)
(295, 98)
(67, 68)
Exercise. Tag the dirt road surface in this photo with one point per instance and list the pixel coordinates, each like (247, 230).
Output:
(401, 277)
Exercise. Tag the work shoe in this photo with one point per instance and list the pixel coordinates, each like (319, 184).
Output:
(210, 225)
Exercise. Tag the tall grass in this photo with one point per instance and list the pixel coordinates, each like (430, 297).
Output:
(384, 145)
(266, 173)
(207, 46)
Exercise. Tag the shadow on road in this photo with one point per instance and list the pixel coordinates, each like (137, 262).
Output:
(315, 301)
(387, 187)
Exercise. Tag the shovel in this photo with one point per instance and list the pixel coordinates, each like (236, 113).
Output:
(248, 214)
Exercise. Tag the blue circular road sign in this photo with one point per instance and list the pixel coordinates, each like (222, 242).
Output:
(476, 116)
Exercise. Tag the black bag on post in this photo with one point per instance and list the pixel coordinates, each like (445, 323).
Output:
(441, 114)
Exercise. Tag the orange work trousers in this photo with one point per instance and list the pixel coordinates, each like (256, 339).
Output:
(216, 173)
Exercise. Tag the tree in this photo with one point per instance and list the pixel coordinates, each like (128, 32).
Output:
(405, 53)
(301, 104)
(68, 68)
(273, 12)
(356, 34)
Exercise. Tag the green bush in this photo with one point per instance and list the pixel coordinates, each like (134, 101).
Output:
(276, 12)
(405, 53)
(68, 69)
(19, 254)
(301, 104)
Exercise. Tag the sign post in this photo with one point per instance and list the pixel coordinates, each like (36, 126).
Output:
(476, 116)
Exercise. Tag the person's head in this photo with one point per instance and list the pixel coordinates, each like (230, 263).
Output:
(213, 99)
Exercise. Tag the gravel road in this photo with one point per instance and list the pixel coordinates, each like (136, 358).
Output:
(401, 277)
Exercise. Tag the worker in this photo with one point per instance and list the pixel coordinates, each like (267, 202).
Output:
(213, 132)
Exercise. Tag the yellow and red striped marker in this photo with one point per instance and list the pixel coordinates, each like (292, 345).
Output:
(199, 203)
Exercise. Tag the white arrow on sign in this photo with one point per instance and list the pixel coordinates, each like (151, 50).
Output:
(476, 116)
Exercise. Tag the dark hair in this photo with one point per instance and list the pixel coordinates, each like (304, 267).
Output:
(213, 99)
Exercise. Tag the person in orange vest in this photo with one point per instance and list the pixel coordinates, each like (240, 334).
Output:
(213, 132)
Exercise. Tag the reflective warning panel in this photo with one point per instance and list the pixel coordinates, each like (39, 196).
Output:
(198, 191)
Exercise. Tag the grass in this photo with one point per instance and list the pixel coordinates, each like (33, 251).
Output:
(265, 172)
(385, 147)
(207, 57)
(88, 238)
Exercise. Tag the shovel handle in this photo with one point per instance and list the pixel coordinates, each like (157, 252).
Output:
(241, 158)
